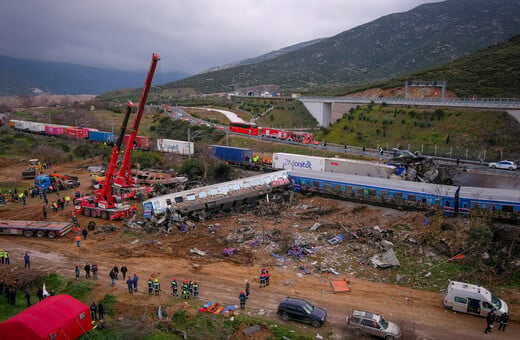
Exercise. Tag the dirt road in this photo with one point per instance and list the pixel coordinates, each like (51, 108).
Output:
(168, 256)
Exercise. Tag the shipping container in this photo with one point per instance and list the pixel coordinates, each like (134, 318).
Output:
(56, 130)
(101, 136)
(35, 127)
(76, 132)
(140, 142)
(231, 154)
(175, 146)
(288, 161)
(356, 167)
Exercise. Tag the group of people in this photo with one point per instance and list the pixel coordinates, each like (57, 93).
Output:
(264, 278)
(4, 256)
(189, 288)
(490, 319)
(97, 311)
(10, 291)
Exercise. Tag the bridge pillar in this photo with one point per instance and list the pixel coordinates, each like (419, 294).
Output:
(322, 111)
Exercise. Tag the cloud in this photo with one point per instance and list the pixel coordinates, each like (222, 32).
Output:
(190, 36)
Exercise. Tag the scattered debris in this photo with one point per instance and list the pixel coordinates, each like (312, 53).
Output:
(197, 251)
(340, 286)
(385, 260)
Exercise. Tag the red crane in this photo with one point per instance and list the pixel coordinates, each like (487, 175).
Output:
(124, 178)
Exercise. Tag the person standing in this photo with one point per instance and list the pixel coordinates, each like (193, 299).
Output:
(7, 259)
(87, 271)
(101, 311)
(130, 284)
(150, 286)
(113, 278)
(27, 260)
(116, 272)
(248, 288)
(157, 286)
(174, 287)
(76, 271)
(28, 297)
(489, 319)
(262, 279)
(242, 297)
(12, 296)
(39, 294)
(195, 290)
(267, 277)
(124, 270)
(504, 318)
(93, 311)
(44, 211)
(85, 233)
(134, 280)
(94, 270)
(78, 239)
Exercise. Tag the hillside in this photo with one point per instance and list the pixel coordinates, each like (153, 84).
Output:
(20, 76)
(397, 44)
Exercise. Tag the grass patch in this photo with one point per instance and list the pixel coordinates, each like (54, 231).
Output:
(78, 289)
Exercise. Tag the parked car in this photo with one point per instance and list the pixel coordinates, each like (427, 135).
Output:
(508, 165)
(302, 311)
(373, 324)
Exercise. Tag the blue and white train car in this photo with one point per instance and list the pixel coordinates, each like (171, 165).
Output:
(373, 190)
(217, 196)
(502, 203)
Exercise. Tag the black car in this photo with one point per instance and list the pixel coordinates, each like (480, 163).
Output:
(301, 310)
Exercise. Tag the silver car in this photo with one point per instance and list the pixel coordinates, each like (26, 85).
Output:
(373, 324)
(508, 165)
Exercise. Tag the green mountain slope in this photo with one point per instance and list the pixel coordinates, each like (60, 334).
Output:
(401, 43)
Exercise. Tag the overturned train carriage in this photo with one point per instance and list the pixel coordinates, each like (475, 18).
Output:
(217, 197)
(500, 203)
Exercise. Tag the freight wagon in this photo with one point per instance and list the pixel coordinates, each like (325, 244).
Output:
(101, 136)
(34, 228)
(141, 142)
(231, 154)
(175, 146)
(289, 161)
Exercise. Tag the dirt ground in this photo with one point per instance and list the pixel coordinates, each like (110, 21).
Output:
(168, 256)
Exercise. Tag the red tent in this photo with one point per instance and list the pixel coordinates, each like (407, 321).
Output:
(56, 317)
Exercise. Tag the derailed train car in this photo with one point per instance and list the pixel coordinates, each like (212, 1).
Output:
(218, 196)
(452, 200)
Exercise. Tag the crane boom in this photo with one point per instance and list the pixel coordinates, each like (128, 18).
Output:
(105, 193)
(125, 171)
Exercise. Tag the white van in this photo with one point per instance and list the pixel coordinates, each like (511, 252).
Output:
(473, 299)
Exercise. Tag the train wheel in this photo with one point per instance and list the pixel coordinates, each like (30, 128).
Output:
(28, 233)
(105, 215)
(51, 234)
(40, 233)
(86, 212)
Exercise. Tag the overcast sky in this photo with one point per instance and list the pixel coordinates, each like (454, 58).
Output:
(189, 35)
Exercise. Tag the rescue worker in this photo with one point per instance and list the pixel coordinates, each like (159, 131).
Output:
(489, 320)
(248, 289)
(76, 271)
(262, 279)
(185, 294)
(195, 290)
(157, 286)
(134, 280)
(2, 256)
(190, 287)
(175, 290)
(243, 299)
(267, 277)
(130, 284)
(7, 259)
(150, 286)
(78, 239)
(504, 318)
(54, 206)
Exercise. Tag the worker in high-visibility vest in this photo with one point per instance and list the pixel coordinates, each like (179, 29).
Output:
(67, 200)
(78, 239)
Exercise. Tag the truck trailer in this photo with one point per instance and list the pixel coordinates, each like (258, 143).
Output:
(34, 228)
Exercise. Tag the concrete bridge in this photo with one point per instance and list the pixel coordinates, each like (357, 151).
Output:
(329, 109)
